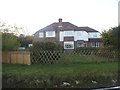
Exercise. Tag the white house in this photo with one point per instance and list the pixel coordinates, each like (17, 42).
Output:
(69, 35)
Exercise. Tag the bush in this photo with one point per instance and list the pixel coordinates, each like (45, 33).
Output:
(49, 46)
(86, 48)
(44, 52)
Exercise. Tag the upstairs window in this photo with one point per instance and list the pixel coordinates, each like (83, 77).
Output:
(68, 33)
(50, 34)
(41, 34)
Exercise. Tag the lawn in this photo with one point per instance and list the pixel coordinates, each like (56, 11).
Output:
(53, 75)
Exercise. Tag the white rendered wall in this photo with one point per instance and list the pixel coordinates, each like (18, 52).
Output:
(94, 35)
(78, 35)
(61, 36)
(81, 35)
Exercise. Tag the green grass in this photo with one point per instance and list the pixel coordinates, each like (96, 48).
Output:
(59, 69)
(48, 75)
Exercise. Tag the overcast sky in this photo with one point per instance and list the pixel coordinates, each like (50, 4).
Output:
(36, 14)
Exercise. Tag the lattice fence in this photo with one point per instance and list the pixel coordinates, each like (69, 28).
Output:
(50, 57)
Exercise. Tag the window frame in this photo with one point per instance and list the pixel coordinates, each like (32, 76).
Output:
(69, 43)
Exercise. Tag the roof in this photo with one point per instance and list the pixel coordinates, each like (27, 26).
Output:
(88, 29)
(57, 26)
(60, 26)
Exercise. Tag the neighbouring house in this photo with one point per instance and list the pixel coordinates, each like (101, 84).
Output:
(69, 35)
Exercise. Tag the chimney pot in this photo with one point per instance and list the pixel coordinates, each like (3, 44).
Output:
(60, 19)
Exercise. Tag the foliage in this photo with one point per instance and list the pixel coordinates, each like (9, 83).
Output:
(25, 40)
(41, 52)
(9, 42)
(110, 37)
(5, 28)
(52, 46)
(86, 48)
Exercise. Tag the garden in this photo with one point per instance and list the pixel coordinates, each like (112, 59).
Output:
(60, 69)
(52, 67)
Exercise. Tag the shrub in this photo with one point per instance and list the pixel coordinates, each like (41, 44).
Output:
(87, 49)
(52, 46)
(44, 52)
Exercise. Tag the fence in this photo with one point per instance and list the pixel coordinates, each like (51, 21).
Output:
(50, 57)
(16, 57)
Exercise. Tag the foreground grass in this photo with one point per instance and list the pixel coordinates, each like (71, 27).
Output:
(53, 75)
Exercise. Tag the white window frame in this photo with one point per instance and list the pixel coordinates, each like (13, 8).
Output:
(48, 33)
(68, 43)
(41, 34)
(69, 33)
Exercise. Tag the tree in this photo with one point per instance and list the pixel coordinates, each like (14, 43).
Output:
(25, 40)
(111, 37)
(9, 42)
(9, 38)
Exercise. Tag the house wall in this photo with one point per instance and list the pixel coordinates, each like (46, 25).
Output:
(80, 35)
(94, 35)
(76, 37)
(68, 38)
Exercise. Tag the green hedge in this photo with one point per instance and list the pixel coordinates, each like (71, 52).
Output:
(52, 46)
(86, 48)
(44, 52)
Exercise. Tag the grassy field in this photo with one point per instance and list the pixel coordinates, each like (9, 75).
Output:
(53, 75)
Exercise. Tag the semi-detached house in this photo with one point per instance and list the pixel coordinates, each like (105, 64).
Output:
(69, 35)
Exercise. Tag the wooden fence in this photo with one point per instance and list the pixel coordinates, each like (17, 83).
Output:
(16, 57)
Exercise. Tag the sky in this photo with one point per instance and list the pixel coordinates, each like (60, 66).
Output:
(33, 15)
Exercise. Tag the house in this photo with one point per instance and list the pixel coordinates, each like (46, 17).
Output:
(69, 35)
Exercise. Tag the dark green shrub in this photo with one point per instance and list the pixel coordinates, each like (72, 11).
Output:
(52, 46)
(86, 48)
(45, 52)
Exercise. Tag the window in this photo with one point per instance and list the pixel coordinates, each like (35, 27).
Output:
(68, 45)
(68, 33)
(41, 34)
(50, 34)
(95, 44)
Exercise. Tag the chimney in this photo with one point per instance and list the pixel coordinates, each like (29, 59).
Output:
(60, 22)
(60, 19)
